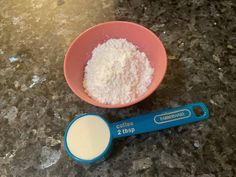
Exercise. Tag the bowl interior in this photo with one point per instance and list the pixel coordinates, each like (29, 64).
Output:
(81, 48)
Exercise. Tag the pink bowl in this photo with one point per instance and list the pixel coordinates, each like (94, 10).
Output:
(81, 48)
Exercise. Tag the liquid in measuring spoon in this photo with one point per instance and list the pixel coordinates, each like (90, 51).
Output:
(88, 137)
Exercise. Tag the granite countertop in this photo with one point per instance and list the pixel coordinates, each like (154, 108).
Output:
(36, 104)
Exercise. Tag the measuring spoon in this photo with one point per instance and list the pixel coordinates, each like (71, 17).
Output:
(88, 137)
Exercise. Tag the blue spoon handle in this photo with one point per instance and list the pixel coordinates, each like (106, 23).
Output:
(158, 120)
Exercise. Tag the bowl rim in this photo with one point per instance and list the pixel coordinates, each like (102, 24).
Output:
(137, 100)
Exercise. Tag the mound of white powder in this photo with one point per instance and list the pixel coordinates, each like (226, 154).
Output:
(117, 72)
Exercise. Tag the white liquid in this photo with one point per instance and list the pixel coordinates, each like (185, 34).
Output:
(88, 137)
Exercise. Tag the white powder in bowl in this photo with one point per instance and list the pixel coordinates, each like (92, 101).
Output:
(117, 72)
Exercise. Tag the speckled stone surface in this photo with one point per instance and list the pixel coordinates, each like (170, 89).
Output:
(36, 103)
